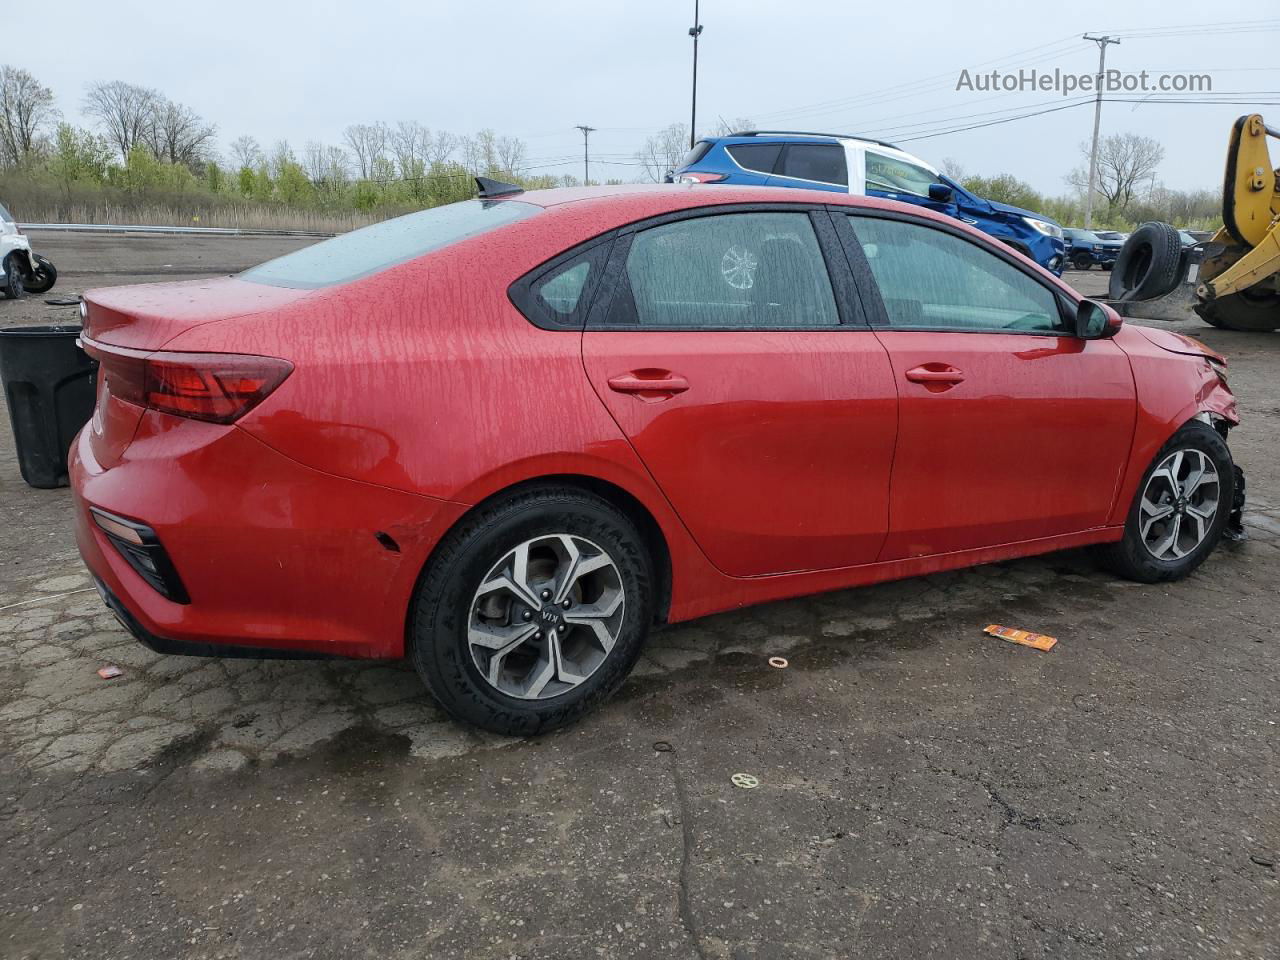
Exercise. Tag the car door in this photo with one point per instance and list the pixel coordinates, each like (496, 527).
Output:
(1010, 429)
(731, 353)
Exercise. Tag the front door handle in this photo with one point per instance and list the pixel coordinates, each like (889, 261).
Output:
(935, 373)
(653, 383)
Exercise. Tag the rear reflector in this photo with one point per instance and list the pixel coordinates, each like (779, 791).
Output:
(217, 387)
(141, 549)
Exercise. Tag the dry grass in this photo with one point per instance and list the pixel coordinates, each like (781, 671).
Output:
(244, 217)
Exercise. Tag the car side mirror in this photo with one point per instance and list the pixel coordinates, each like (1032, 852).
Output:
(1096, 321)
(941, 193)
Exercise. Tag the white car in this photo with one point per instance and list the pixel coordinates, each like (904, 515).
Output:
(21, 270)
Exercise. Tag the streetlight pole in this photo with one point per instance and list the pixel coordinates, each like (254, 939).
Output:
(586, 160)
(695, 31)
(1097, 121)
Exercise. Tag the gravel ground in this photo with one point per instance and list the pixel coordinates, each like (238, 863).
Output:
(924, 790)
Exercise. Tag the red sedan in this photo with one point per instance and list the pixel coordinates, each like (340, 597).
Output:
(507, 437)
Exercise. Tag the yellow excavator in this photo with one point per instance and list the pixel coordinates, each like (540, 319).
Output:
(1232, 280)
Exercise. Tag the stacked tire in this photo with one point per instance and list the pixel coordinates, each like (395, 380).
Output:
(1149, 264)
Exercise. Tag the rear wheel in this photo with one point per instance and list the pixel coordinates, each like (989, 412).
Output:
(11, 278)
(533, 611)
(1181, 509)
(1248, 311)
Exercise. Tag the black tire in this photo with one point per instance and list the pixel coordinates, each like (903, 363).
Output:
(11, 278)
(1108, 266)
(1081, 261)
(43, 277)
(1247, 312)
(1149, 264)
(1129, 557)
(442, 607)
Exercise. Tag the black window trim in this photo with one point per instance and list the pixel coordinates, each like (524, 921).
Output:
(873, 300)
(523, 292)
(613, 281)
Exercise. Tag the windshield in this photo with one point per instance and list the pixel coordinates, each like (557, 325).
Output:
(359, 253)
(1085, 235)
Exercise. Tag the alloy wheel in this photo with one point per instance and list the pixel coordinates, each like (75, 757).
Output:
(546, 616)
(1179, 504)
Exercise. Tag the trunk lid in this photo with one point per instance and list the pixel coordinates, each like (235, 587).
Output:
(147, 316)
(144, 318)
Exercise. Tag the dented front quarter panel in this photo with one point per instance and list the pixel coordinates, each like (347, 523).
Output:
(1176, 382)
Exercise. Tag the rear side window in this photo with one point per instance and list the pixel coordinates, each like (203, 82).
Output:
(822, 162)
(933, 280)
(361, 252)
(729, 271)
(759, 157)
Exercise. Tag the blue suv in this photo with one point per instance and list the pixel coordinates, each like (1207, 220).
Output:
(846, 164)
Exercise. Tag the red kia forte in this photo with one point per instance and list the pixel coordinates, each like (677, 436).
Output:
(508, 437)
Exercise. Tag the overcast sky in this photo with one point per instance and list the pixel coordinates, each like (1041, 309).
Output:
(303, 71)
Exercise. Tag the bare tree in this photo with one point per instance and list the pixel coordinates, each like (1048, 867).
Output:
(124, 110)
(440, 148)
(737, 125)
(281, 158)
(663, 151)
(509, 155)
(26, 108)
(368, 143)
(1125, 161)
(953, 168)
(409, 142)
(246, 152)
(178, 135)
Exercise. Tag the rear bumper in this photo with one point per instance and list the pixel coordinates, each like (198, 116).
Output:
(277, 559)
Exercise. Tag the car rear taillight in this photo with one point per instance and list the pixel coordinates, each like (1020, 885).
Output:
(691, 177)
(217, 387)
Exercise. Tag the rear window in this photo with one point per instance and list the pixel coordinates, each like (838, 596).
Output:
(362, 252)
(697, 153)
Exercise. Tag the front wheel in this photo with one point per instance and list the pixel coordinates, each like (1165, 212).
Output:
(1082, 261)
(1181, 509)
(533, 611)
(11, 278)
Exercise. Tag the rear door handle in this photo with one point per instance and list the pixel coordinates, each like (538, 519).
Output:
(649, 381)
(935, 373)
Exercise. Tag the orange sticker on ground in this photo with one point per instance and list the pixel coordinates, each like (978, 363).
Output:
(1024, 637)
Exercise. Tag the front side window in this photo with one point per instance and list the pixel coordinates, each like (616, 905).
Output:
(729, 271)
(350, 256)
(893, 175)
(930, 279)
(820, 162)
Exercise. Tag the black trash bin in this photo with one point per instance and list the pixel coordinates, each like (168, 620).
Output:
(49, 385)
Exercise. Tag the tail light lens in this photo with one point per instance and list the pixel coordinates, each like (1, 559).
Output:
(217, 387)
(691, 177)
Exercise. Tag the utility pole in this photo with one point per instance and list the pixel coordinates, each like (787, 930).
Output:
(695, 31)
(586, 159)
(1097, 121)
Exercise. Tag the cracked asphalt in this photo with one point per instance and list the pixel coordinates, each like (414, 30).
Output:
(924, 790)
